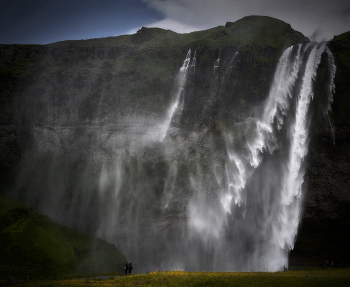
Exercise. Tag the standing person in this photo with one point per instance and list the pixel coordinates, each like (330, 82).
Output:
(130, 267)
(126, 267)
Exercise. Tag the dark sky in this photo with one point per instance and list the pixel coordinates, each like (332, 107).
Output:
(47, 21)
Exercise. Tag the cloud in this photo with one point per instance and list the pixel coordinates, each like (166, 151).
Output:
(306, 16)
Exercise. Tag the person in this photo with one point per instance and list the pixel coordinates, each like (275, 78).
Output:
(130, 267)
(126, 268)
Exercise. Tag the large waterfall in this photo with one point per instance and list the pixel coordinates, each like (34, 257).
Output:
(174, 197)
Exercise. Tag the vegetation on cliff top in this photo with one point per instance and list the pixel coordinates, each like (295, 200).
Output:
(260, 31)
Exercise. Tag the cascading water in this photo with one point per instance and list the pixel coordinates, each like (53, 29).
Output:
(215, 81)
(196, 199)
(238, 170)
(285, 228)
(217, 61)
(281, 215)
(181, 81)
(193, 65)
(202, 216)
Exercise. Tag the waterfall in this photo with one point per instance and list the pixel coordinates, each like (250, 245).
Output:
(285, 229)
(181, 81)
(222, 198)
(215, 83)
(238, 170)
(270, 133)
(194, 59)
(203, 217)
(217, 61)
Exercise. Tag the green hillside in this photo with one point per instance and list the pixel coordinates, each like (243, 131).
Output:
(32, 244)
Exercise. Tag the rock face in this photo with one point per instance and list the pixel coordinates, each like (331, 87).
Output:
(324, 231)
(73, 113)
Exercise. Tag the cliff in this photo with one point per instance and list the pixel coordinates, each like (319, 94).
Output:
(324, 231)
(70, 110)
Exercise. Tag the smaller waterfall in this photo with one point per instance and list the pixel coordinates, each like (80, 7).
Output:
(215, 84)
(214, 87)
(232, 60)
(181, 81)
(194, 59)
(206, 218)
(217, 61)
(331, 89)
(228, 71)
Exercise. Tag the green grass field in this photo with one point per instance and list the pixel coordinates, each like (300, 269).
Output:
(317, 277)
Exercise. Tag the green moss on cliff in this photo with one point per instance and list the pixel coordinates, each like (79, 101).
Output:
(33, 244)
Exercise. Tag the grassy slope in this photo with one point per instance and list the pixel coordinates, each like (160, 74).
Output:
(33, 244)
(257, 30)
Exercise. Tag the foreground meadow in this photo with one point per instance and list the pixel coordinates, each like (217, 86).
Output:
(326, 277)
